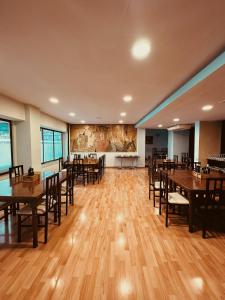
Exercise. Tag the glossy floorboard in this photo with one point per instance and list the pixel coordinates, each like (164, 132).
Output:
(113, 245)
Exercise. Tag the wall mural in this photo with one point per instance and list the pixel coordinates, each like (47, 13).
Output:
(103, 138)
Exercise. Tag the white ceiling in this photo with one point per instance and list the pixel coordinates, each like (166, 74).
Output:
(188, 107)
(79, 52)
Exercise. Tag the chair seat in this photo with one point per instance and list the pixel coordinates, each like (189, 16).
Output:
(176, 198)
(157, 185)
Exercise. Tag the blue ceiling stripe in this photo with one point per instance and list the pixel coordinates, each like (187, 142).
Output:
(218, 62)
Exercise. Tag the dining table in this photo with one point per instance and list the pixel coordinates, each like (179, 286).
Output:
(20, 190)
(193, 187)
(178, 164)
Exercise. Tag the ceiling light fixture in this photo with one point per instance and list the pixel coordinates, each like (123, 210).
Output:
(176, 119)
(123, 114)
(53, 100)
(72, 114)
(82, 121)
(207, 107)
(127, 98)
(121, 121)
(141, 49)
(160, 125)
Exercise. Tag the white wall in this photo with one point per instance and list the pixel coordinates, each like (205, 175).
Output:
(178, 143)
(112, 161)
(52, 123)
(11, 109)
(27, 121)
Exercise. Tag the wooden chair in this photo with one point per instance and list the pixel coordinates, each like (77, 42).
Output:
(16, 171)
(172, 199)
(154, 183)
(93, 155)
(175, 159)
(80, 171)
(51, 204)
(67, 190)
(213, 203)
(63, 164)
(169, 165)
(96, 173)
(5, 207)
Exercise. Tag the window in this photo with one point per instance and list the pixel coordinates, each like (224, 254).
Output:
(5, 146)
(51, 145)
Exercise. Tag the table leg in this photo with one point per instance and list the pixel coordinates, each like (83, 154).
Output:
(34, 226)
(190, 213)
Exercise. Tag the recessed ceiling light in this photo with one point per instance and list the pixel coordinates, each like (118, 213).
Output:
(72, 114)
(141, 49)
(82, 121)
(176, 120)
(121, 121)
(53, 100)
(123, 114)
(207, 107)
(127, 98)
(160, 125)
(222, 101)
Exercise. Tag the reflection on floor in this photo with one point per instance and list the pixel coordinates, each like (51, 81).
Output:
(113, 245)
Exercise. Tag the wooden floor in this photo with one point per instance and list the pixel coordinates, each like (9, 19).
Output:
(113, 245)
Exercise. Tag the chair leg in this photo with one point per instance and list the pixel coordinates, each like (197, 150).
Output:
(154, 198)
(167, 211)
(203, 228)
(46, 228)
(66, 203)
(55, 213)
(19, 229)
(6, 214)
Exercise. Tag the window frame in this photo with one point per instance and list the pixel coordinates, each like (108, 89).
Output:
(11, 144)
(54, 159)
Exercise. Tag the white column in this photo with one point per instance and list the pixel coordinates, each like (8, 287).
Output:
(28, 139)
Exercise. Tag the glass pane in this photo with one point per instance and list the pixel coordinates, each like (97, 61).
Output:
(58, 144)
(48, 144)
(5, 146)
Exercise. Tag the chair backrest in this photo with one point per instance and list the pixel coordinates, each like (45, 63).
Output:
(215, 192)
(93, 155)
(78, 165)
(52, 190)
(175, 158)
(16, 171)
(69, 177)
(60, 164)
(155, 173)
(169, 165)
(184, 157)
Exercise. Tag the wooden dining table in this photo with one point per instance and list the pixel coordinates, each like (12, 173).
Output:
(17, 190)
(87, 162)
(193, 187)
